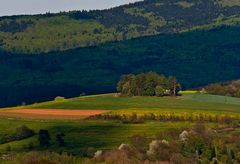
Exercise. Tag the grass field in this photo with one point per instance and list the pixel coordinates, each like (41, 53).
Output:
(99, 134)
(189, 102)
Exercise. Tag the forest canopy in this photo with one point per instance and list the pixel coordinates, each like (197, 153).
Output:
(148, 84)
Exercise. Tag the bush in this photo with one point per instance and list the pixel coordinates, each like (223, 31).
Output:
(195, 144)
(162, 150)
(238, 156)
(135, 119)
(177, 158)
(90, 152)
(21, 133)
(200, 129)
(24, 132)
(139, 142)
(116, 156)
(132, 119)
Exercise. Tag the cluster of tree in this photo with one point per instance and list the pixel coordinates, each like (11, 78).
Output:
(225, 89)
(21, 133)
(44, 138)
(186, 18)
(149, 84)
(82, 15)
(14, 26)
(116, 17)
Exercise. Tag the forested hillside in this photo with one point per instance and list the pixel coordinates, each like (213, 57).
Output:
(196, 58)
(57, 32)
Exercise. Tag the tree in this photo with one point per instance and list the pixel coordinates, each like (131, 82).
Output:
(124, 85)
(159, 91)
(174, 86)
(44, 138)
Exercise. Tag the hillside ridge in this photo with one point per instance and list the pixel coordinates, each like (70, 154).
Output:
(68, 30)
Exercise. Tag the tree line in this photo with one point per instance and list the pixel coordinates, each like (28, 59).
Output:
(148, 84)
(134, 118)
(14, 26)
(225, 89)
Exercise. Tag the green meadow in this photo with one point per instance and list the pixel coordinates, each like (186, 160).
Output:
(189, 102)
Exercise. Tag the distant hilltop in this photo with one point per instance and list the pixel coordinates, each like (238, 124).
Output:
(67, 30)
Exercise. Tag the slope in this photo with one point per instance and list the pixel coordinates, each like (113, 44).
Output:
(57, 32)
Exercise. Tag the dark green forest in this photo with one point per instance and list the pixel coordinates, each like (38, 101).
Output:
(196, 58)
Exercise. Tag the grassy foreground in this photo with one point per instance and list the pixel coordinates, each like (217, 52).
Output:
(81, 135)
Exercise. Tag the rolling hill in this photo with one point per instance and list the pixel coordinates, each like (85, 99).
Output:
(104, 134)
(57, 32)
(188, 102)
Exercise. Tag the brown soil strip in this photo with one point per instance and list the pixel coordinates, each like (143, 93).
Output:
(51, 113)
